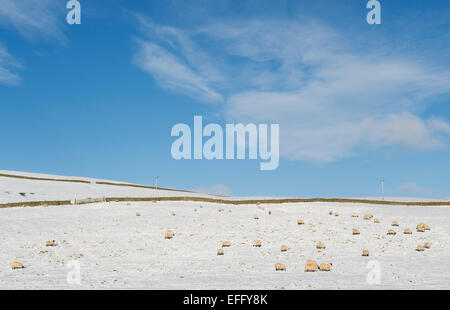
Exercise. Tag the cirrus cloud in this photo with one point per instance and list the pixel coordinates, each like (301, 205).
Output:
(32, 18)
(331, 99)
(7, 65)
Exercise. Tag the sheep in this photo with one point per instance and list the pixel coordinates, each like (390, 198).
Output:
(219, 252)
(336, 214)
(365, 253)
(280, 267)
(377, 221)
(320, 245)
(391, 232)
(407, 231)
(138, 214)
(325, 267)
(368, 216)
(395, 223)
(16, 265)
(355, 231)
(300, 222)
(257, 244)
(256, 217)
(226, 244)
(420, 248)
(283, 248)
(169, 234)
(311, 266)
(420, 228)
(330, 212)
(427, 245)
(50, 243)
(427, 227)
(355, 215)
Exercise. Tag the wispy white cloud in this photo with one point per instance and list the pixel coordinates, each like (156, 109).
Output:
(217, 189)
(440, 125)
(43, 18)
(341, 139)
(172, 73)
(189, 71)
(32, 19)
(412, 188)
(330, 98)
(7, 66)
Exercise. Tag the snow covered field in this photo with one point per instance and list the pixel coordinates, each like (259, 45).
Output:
(19, 190)
(117, 249)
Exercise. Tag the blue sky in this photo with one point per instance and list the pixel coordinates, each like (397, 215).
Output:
(356, 103)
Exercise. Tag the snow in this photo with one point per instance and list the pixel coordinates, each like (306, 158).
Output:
(20, 190)
(118, 250)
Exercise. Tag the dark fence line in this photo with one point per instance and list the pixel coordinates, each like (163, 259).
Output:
(279, 201)
(35, 204)
(88, 182)
(41, 179)
(143, 186)
(232, 202)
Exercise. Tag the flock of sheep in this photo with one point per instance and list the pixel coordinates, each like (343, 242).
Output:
(311, 265)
